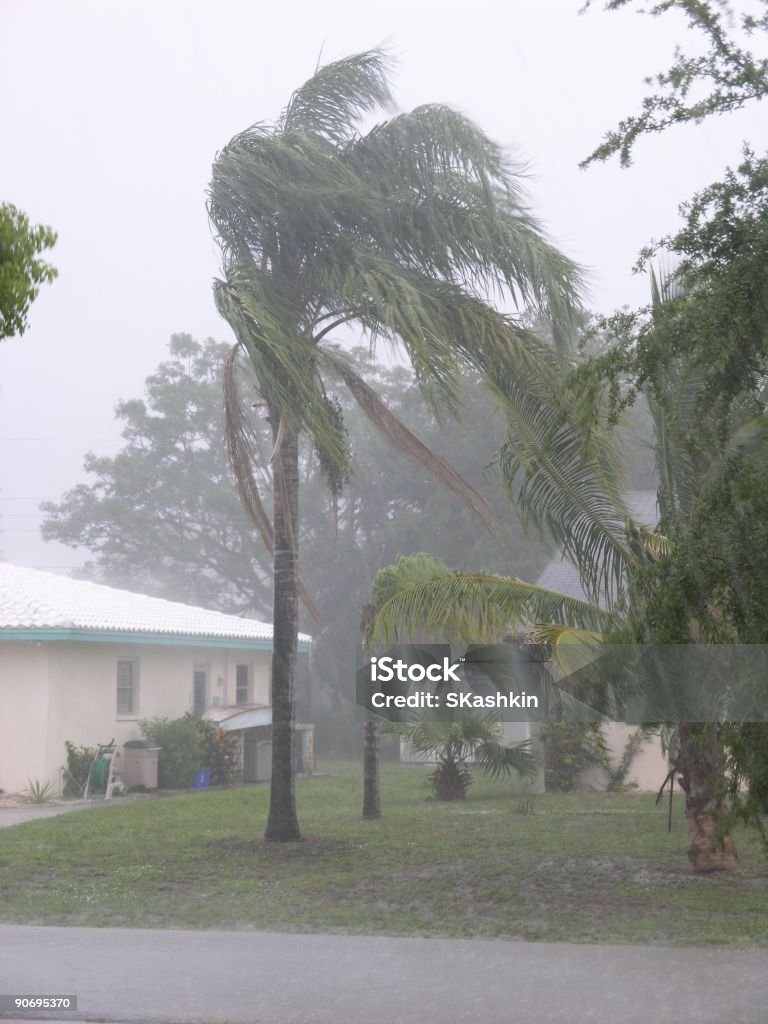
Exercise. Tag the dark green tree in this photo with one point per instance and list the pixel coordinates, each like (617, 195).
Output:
(22, 272)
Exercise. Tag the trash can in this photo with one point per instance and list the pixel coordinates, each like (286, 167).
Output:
(140, 764)
(202, 779)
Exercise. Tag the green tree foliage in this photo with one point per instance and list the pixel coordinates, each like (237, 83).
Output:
(22, 272)
(726, 76)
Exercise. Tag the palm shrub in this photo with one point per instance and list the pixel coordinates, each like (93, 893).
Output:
(457, 739)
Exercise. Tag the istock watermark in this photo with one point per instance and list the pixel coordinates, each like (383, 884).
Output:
(429, 677)
(640, 684)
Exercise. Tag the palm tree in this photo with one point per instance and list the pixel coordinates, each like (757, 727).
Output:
(456, 739)
(407, 570)
(566, 476)
(404, 231)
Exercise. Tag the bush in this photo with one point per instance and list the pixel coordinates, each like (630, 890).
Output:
(569, 749)
(182, 753)
(79, 761)
(222, 753)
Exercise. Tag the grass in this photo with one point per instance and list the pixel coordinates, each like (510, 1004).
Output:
(581, 868)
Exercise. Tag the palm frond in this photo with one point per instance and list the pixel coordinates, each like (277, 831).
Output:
(458, 210)
(332, 101)
(498, 760)
(478, 607)
(570, 486)
(403, 440)
(242, 444)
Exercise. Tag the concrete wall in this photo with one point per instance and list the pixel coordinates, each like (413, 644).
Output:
(647, 770)
(67, 690)
(23, 715)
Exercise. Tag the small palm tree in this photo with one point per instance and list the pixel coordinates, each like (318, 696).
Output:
(402, 231)
(457, 739)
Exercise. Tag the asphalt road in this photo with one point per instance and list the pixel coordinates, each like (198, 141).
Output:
(264, 978)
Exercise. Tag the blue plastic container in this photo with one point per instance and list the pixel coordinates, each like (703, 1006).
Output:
(202, 779)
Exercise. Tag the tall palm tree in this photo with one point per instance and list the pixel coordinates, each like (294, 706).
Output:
(404, 231)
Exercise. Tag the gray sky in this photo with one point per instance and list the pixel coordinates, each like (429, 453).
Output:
(114, 110)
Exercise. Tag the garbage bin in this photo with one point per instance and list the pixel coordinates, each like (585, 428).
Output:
(202, 779)
(140, 764)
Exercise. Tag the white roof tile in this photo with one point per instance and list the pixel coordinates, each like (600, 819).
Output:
(30, 599)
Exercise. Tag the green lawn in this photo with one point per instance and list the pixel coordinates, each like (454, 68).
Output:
(584, 868)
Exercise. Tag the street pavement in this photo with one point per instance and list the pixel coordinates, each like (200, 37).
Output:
(209, 977)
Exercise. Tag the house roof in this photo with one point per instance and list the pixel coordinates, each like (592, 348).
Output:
(563, 576)
(43, 605)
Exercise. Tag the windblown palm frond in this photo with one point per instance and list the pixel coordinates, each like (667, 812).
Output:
(478, 607)
(569, 484)
(403, 230)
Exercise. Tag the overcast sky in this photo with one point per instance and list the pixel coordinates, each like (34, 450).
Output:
(114, 109)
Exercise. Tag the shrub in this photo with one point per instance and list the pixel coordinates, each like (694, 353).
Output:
(182, 749)
(38, 792)
(79, 760)
(569, 749)
(222, 753)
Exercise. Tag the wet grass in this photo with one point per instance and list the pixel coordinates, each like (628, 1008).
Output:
(582, 868)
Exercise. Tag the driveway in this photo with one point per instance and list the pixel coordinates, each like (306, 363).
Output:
(262, 978)
(32, 812)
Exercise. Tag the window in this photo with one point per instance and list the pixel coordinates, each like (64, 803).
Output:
(242, 685)
(127, 686)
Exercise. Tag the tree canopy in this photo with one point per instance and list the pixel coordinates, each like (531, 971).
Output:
(22, 271)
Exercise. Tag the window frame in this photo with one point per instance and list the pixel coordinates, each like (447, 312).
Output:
(133, 710)
(248, 681)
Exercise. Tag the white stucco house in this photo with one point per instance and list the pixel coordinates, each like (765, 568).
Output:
(84, 662)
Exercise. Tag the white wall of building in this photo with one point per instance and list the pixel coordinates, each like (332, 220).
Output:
(67, 690)
(23, 714)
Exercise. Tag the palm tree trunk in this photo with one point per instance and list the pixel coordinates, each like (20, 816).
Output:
(371, 798)
(282, 823)
(699, 767)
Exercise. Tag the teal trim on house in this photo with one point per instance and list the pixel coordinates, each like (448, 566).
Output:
(122, 637)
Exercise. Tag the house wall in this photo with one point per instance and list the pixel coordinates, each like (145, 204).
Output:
(647, 770)
(68, 691)
(23, 715)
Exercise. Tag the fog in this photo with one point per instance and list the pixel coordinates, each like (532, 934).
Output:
(114, 111)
